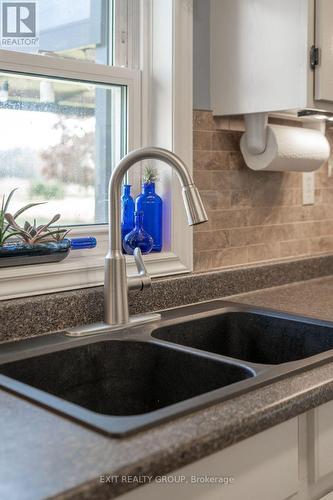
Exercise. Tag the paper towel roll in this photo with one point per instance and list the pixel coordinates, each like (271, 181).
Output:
(289, 149)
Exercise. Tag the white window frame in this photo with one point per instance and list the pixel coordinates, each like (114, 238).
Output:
(163, 90)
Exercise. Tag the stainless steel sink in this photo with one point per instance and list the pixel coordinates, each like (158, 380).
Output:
(198, 355)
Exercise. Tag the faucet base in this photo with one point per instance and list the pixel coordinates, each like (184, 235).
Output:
(101, 327)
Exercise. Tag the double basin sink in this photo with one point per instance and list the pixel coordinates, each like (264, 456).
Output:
(195, 356)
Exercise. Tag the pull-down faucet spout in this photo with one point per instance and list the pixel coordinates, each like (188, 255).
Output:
(116, 282)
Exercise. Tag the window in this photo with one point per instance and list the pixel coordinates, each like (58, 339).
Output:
(55, 149)
(77, 29)
(61, 138)
(99, 81)
(85, 30)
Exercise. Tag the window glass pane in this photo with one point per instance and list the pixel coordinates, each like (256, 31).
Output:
(59, 142)
(79, 29)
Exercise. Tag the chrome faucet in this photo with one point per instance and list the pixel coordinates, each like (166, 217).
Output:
(116, 282)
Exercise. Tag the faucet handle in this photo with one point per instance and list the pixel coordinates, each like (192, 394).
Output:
(140, 265)
(142, 279)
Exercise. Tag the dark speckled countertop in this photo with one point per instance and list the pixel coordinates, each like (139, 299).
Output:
(312, 298)
(45, 455)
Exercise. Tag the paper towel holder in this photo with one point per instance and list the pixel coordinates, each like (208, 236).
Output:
(256, 132)
(258, 135)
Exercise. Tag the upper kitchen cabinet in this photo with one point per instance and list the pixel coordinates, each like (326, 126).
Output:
(258, 55)
(320, 88)
(271, 56)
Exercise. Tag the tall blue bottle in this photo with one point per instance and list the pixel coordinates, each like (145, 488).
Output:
(150, 204)
(127, 211)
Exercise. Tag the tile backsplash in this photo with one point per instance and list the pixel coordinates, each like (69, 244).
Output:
(253, 216)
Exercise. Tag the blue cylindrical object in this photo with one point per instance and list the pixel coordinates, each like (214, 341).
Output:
(127, 211)
(80, 243)
(151, 205)
(138, 237)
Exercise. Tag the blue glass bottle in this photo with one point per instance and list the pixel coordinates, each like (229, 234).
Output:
(138, 237)
(82, 243)
(151, 205)
(127, 211)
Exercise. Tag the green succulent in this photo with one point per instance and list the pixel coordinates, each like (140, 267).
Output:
(58, 235)
(150, 175)
(6, 229)
(32, 234)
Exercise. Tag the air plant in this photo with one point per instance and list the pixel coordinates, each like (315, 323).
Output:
(33, 234)
(58, 235)
(150, 175)
(6, 229)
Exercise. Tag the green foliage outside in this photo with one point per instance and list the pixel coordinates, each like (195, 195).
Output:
(54, 191)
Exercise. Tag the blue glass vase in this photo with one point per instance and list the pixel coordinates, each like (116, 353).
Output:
(151, 205)
(127, 211)
(138, 237)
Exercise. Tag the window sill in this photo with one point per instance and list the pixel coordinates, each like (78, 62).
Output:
(75, 273)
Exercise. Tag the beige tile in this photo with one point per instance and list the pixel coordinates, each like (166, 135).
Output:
(221, 180)
(319, 197)
(298, 197)
(240, 198)
(294, 248)
(253, 216)
(263, 252)
(206, 160)
(273, 215)
(273, 197)
(216, 200)
(211, 240)
(203, 179)
(203, 120)
(327, 196)
(202, 140)
(206, 226)
(262, 199)
(240, 180)
(322, 180)
(220, 160)
(314, 228)
(291, 180)
(261, 234)
(321, 245)
(226, 219)
(225, 141)
(315, 212)
(236, 161)
(242, 237)
(229, 257)
(201, 159)
(203, 261)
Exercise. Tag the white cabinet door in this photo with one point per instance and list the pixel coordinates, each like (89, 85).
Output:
(259, 55)
(321, 430)
(324, 41)
(263, 467)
